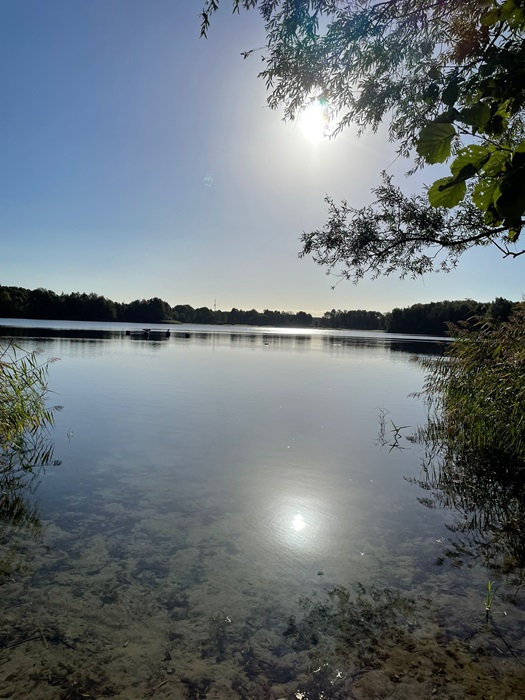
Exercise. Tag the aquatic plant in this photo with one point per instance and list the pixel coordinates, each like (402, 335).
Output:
(23, 395)
(489, 599)
(218, 633)
(24, 445)
(389, 436)
(476, 392)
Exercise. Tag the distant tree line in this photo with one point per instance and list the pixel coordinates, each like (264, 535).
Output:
(17, 302)
(430, 319)
(426, 319)
(361, 320)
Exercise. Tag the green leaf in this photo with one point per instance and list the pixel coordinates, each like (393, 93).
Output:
(511, 14)
(491, 17)
(505, 109)
(485, 191)
(514, 234)
(446, 192)
(516, 20)
(496, 163)
(466, 173)
(492, 218)
(434, 142)
(473, 156)
(508, 7)
(476, 116)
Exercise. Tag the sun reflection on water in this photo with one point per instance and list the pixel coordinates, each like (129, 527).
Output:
(298, 522)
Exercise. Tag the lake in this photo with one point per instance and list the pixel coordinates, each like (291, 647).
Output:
(218, 519)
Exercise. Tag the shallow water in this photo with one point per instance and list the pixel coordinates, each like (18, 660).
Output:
(223, 524)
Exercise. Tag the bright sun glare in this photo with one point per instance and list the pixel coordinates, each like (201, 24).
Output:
(313, 122)
(298, 522)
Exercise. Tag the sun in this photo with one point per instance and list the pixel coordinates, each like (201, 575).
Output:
(313, 122)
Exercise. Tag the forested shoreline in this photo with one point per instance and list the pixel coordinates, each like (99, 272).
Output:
(430, 319)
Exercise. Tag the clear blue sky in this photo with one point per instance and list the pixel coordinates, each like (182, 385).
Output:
(138, 160)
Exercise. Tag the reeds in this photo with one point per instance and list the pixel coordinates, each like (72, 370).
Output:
(489, 599)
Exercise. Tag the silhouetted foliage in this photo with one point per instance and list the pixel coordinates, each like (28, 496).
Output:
(448, 80)
(360, 319)
(16, 302)
(477, 391)
(435, 318)
(430, 319)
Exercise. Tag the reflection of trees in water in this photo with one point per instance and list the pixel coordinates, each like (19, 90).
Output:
(487, 491)
(474, 441)
(20, 471)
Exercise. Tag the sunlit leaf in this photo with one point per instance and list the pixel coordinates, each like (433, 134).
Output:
(484, 192)
(434, 142)
(514, 234)
(491, 17)
(473, 157)
(496, 163)
(446, 192)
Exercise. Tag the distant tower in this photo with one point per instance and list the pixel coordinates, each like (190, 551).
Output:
(215, 304)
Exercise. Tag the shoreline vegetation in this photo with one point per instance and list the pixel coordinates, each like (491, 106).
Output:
(431, 318)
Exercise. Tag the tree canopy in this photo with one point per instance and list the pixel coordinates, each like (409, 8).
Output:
(430, 318)
(448, 76)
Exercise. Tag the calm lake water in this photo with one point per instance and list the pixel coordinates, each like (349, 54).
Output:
(223, 524)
